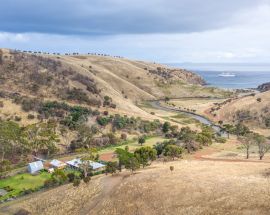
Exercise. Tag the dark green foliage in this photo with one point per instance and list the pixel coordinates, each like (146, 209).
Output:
(145, 155)
(120, 122)
(59, 176)
(141, 140)
(159, 147)
(111, 167)
(205, 136)
(132, 164)
(166, 127)
(173, 151)
(71, 176)
(103, 121)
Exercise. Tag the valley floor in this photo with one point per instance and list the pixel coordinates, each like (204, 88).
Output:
(196, 186)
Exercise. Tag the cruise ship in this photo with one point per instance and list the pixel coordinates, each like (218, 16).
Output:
(226, 74)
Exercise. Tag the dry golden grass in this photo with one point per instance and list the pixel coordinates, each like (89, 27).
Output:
(10, 110)
(194, 187)
(251, 104)
(198, 104)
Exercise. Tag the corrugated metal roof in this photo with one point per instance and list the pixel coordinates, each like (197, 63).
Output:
(57, 163)
(35, 166)
(76, 163)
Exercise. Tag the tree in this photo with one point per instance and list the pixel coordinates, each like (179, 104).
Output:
(141, 140)
(247, 141)
(188, 137)
(91, 155)
(263, 145)
(205, 136)
(241, 130)
(132, 164)
(166, 127)
(228, 129)
(145, 155)
(159, 147)
(127, 159)
(123, 157)
(173, 151)
(171, 168)
(111, 167)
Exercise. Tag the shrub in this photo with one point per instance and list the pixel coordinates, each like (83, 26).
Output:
(76, 182)
(50, 182)
(30, 116)
(87, 179)
(124, 136)
(103, 121)
(220, 140)
(71, 177)
(17, 118)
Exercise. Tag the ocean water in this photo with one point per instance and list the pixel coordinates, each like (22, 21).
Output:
(246, 75)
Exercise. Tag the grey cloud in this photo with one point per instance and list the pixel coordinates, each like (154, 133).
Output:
(109, 17)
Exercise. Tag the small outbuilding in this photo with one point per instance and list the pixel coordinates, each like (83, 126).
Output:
(58, 164)
(35, 167)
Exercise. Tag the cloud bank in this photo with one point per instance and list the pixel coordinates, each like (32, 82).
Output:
(157, 30)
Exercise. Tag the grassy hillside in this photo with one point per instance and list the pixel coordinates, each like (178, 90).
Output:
(85, 99)
(194, 187)
(252, 110)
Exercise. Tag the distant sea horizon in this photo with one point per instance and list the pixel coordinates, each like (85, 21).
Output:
(246, 75)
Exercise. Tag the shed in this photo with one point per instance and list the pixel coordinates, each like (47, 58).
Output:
(75, 163)
(3, 192)
(58, 164)
(35, 167)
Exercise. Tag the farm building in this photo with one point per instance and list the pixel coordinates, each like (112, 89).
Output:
(34, 167)
(75, 163)
(58, 164)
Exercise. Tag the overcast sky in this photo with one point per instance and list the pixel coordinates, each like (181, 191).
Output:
(155, 30)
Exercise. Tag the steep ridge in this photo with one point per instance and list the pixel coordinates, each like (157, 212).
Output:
(86, 79)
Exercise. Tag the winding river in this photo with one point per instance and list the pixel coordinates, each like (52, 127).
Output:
(157, 105)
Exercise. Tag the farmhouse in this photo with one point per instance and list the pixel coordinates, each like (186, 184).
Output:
(75, 163)
(34, 167)
(57, 164)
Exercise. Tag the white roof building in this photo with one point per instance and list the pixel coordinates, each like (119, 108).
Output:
(76, 163)
(57, 164)
(35, 167)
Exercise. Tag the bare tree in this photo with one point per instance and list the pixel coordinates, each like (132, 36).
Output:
(263, 145)
(247, 141)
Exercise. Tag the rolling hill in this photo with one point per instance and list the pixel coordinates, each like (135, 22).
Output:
(86, 79)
